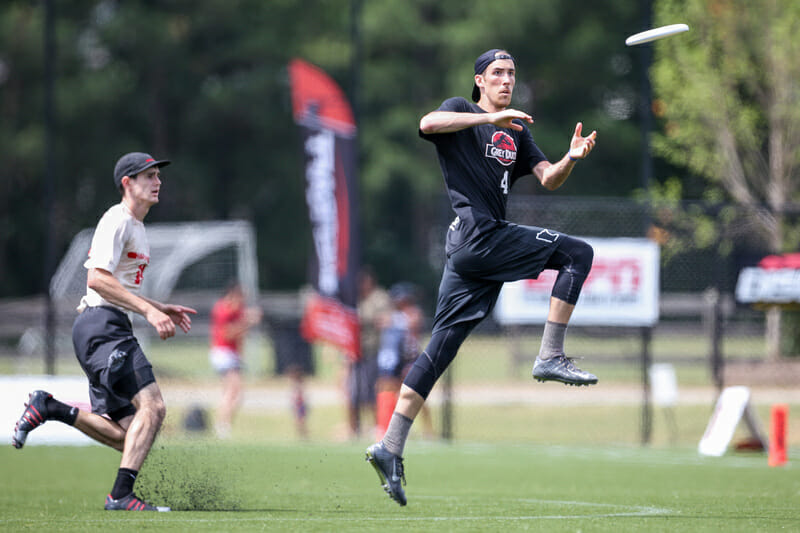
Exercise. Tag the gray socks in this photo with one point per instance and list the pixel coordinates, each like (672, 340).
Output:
(552, 340)
(397, 433)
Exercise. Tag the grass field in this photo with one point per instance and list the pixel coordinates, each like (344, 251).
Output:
(459, 487)
(542, 461)
(482, 357)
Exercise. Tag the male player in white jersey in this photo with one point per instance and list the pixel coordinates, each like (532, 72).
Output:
(127, 407)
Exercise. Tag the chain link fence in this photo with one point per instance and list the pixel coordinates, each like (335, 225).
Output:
(703, 335)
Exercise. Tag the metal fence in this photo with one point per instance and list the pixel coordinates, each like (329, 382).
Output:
(703, 333)
(709, 339)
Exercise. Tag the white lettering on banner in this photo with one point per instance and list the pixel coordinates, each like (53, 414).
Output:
(622, 288)
(759, 285)
(321, 200)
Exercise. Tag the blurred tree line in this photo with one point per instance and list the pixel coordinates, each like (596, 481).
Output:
(205, 85)
(729, 100)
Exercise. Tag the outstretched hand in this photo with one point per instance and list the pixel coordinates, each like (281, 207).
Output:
(579, 147)
(180, 316)
(167, 317)
(504, 119)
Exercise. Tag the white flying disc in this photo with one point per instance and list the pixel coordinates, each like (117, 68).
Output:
(656, 33)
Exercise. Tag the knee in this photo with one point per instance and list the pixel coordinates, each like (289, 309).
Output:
(155, 410)
(581, 256)
(584, 254)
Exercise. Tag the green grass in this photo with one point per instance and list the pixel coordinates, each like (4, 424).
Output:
(459, 487)
(482, 358)
(531, 465)
(600, 425)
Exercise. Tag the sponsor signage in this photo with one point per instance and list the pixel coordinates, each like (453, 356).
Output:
(328, 128)
(776, 280)
(622, 289)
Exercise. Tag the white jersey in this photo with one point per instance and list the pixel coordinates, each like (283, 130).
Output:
(119, 246)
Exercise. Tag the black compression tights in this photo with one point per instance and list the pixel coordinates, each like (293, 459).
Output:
(436, 357)
(573, 260)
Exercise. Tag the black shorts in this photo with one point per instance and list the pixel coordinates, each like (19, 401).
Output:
(112, 360)
(475, 272)
(361, 381)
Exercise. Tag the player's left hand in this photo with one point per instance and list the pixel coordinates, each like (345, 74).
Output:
(180, 316)
(579, 147)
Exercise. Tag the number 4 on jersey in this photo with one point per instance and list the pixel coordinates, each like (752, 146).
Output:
(504, 183)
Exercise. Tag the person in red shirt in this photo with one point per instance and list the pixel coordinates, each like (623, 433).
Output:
(230, 321)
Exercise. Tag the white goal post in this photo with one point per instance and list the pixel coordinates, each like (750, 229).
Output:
(173, 248)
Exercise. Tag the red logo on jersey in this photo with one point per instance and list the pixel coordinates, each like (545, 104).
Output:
(502, 148)
(140, 272)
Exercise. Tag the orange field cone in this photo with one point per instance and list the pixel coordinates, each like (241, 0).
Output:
(385, 402)
(777, 441)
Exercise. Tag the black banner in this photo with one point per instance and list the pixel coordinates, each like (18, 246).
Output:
(329, 132)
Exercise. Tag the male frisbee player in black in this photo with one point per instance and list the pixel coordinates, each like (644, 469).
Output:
(483, 149)
(127, 407)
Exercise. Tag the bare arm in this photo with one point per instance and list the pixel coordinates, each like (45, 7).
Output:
(450, 121)
(163, 317)
(553, 175)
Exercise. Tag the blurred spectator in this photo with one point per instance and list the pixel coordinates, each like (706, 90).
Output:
(373, 306)
(230, 321)
(294, 359)
(399, 348)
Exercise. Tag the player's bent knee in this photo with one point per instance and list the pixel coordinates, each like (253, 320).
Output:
(584, 254)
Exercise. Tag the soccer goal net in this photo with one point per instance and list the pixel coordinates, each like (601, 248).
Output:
(192, 255)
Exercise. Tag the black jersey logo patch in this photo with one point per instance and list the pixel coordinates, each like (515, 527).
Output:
(503, 148)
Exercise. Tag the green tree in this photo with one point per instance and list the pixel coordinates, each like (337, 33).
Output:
(728, 95)
(572, 65)
(205, 84)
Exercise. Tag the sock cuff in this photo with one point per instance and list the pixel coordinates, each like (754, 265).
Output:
(404, 418)
(72, 416)
(397, 433)
(129, 471)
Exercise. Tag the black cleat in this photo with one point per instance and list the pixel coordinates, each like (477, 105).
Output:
(390, 471)
(35, 415)
(130, 503)
(560, 368)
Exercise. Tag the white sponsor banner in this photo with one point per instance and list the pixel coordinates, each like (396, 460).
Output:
(760, 285)
(622, 288)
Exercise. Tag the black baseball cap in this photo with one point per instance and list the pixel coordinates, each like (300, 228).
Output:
(483, 61)
(133, 163)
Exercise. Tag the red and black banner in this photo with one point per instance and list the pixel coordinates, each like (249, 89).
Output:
(329, 134)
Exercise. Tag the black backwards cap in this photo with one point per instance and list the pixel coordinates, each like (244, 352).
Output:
(133, 163)
(483, 61)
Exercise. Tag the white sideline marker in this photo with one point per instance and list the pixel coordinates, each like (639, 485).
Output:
(732, 405)
(655, 33)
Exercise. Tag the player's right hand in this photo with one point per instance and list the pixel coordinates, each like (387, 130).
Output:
(504, 119)
(161, 322)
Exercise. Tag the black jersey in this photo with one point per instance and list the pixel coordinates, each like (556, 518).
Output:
(480, 164)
